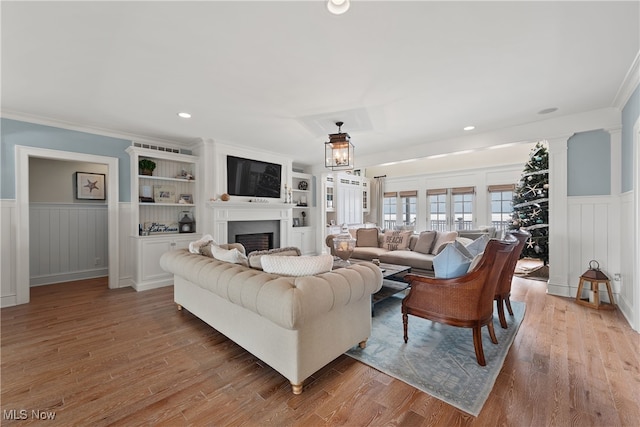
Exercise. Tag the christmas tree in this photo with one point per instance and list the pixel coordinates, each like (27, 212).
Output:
(531, 204)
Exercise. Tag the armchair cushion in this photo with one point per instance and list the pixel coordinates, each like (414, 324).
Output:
(451, 262)
(478, 245)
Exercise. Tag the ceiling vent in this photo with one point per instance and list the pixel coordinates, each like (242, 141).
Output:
(156, 147)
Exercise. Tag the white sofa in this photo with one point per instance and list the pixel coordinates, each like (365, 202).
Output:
(296, 325)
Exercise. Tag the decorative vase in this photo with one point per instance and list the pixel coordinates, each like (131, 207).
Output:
(343, 245)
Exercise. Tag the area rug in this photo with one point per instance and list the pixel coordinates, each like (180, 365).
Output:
(438, 359)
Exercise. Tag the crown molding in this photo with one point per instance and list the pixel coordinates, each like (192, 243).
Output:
(95, 130)
(629, 84)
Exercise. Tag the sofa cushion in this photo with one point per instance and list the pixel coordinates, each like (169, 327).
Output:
(297, 265)
(413, 259)
(396, 240)
(478, 245)
(195, 247)
(367, 237)
(232, 255)
(425, 242)
(443, 237)
(451, 262)
(255, 257)
(368, 253)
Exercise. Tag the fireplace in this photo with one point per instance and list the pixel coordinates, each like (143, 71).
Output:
(255, 241)
(255, 235)
(227, 219)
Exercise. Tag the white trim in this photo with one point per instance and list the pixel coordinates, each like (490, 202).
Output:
(628, 85)
(22, 155)
(558, 283)
(94, 130)
(635, 321)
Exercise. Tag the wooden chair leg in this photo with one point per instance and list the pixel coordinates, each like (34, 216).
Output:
(507, 301)
(477, 345)
(405, 321)
(492, 332)
(500, 305)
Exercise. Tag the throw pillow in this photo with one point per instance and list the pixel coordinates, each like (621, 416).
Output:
(478, 245)
(396, 240)
(233, 256)
(425, 242)
(255, 257)
(443, 237)
(450, 263)
(194, 247)
(297, 265)
(367, 238)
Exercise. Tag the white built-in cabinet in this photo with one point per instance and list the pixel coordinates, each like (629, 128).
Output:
(303, 233)
(345, 199)
(158, 202)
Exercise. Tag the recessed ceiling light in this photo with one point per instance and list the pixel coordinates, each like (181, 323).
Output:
(338, 7)
(184, 115)
(548, 110)
(468, 128)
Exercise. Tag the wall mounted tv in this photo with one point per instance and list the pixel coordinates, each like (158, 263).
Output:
(253, 178)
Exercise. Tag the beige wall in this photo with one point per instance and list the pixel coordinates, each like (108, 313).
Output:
(486, 158)
(53, 181)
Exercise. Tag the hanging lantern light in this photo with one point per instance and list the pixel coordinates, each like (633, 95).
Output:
(338, 151)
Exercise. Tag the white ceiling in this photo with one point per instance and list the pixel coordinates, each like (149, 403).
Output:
(277, 75)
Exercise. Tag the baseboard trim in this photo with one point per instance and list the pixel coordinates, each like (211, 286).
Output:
(8, 301)
(50, 279)
(152, 285)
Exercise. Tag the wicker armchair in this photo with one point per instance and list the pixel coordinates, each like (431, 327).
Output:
(465, 301)
(503, 290)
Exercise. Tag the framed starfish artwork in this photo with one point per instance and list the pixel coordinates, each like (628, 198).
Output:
(90, 186)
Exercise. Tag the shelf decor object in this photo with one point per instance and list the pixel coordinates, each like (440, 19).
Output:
(147, 166)
(164, 193)
(338, 150)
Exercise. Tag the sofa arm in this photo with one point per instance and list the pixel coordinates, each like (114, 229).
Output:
(329, 242)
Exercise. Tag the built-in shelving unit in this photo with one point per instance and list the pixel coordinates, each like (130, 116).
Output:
(158, 203)
(303, 233)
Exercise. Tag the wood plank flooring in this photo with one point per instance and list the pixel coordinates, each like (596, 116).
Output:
(87, 355)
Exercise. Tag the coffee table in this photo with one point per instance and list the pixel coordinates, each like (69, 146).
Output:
(392, 281)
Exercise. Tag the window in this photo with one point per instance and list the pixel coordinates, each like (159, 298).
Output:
(437, 209)
(463, 207)
(389, 209)
(451, 208)
(409, 202)
(501, 205)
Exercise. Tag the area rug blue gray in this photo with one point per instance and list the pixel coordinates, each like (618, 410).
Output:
(438, 359)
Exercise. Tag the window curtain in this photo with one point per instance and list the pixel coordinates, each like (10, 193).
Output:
(377, 195)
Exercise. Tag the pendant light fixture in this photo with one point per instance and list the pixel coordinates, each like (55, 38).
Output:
(338, 151)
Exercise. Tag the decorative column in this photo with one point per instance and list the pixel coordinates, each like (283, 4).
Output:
(559, 281)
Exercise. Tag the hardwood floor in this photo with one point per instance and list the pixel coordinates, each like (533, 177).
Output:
(93, 356)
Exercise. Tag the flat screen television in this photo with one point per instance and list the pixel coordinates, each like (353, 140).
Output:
(253, 178)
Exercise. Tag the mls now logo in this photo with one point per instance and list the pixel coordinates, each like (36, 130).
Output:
(23, 414)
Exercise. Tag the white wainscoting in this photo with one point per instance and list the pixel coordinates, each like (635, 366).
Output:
(67, 242)
(627, 251)
(7, 253)
(594, 234)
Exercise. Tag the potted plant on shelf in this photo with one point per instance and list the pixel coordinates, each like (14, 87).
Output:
(146, 166)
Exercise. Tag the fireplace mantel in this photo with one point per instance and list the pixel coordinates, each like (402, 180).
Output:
(223, 212)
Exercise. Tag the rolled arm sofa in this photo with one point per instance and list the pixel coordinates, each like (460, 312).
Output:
(296, 325)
